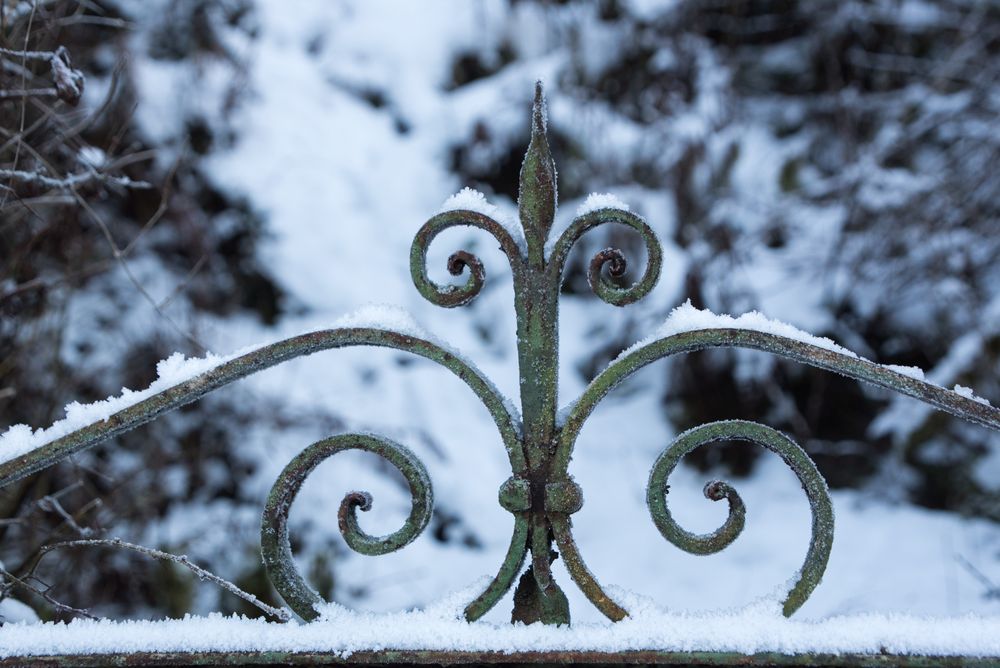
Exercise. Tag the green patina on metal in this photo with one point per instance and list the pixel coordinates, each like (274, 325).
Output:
(274, 545)
(541, 494)
(797, 460)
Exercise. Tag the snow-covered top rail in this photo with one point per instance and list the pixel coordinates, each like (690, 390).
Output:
(539, 440)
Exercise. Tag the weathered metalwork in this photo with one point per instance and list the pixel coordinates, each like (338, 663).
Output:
(274, 545)
(723, 537)
(387, 658)
(541, 494)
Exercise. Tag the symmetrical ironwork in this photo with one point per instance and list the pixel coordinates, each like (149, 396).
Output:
(541, 494)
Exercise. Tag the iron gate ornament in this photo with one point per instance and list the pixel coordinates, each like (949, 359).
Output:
(540, 494)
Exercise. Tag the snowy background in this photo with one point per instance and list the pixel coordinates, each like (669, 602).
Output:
(832, 164)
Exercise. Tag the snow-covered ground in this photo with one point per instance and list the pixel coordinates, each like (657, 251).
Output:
(754, 629)
(342, 190)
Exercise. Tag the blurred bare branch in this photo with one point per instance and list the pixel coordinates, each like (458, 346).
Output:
(182, 560)
(41, 590)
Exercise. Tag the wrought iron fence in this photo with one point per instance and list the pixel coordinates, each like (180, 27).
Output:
(541, 493)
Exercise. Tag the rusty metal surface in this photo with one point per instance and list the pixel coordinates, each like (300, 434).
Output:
(388, 658)
(541, 493)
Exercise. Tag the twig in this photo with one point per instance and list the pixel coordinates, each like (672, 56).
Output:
(179, 289)
(69, 81)
(27, 55)
(26, 8)
(280, 613)
(17, 94)
(44, 594)
(161, 210)
(992, 590)
(50, 503)
(16, 138)
(69, 181)
(118, 255)
(24, 84)
(87, 19)
(38, 504)
(43, 283)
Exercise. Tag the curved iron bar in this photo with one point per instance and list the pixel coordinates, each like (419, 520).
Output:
(259, 359)
(509, 570)
(272, 355)
(274, 546)
(853, 367)
(582, 576)
(450, 296)
(612, 257)
(791, 453)
(857, 368)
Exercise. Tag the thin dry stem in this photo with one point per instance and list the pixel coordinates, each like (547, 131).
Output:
(279, 613)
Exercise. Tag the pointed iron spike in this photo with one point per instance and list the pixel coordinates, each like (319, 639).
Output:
(537, 190)
(538, 112)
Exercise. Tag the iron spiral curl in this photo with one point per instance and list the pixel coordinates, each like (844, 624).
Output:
(791, 453)
(451, 296)
(613, 258)
(275, 548)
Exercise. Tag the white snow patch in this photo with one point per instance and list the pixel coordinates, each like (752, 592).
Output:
(911, 371)
(383, 316)
(472, 200)
(758, 627)
(688, 318)
(92, 156)
(13, 611)
(597, 201)
(563, 413)
(174, 370)
(969, 394)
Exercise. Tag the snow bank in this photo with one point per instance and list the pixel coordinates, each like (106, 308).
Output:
(759, 627)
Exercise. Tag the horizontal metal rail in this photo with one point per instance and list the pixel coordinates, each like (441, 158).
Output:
(387, 658)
